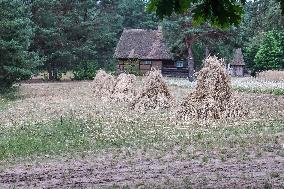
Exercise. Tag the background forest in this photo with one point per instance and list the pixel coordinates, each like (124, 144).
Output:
(80, 36)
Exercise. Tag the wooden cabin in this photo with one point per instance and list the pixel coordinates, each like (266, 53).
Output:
(237, 66)
(144, 50)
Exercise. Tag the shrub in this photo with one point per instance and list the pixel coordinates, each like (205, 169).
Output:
(132, 67)
(85, 70)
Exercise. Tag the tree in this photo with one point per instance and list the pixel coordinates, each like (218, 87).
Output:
(75, 34)
(271, 52)
(134, 15)
(16, 32)
(64, 33)
(220, 13)
(261, 17)
(183, 35)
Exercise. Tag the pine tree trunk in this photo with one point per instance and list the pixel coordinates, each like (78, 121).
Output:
(206, 52)
(190, 60)
(50, 72)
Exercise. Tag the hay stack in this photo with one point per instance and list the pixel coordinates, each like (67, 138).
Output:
(154, 93)
(212, 96)
(124, 89)
(103, 84)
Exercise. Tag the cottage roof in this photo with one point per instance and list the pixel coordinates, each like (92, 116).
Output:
(142, 44)
(238, 59)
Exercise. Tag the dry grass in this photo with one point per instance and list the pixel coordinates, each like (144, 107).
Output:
(271, 75)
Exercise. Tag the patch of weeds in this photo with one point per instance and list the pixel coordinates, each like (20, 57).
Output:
(259, 154)
(223, 158)
(274, 175)
(187, 183)
(205, 159)
(267, 185)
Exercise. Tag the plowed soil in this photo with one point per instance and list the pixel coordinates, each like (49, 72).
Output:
(141, 172)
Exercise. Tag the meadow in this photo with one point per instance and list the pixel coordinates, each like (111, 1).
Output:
(60, 135)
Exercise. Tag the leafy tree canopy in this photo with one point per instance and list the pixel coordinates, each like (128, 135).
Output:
(221, 13)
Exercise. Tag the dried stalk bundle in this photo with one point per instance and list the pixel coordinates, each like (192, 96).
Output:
(154, 93)
(212, 96)
(103, 84)
(125, 88)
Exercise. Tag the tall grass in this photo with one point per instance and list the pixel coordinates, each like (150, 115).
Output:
(272, 75)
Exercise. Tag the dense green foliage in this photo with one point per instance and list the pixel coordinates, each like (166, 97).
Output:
(270, 52)
(85, 70)
(261, 35)
(221, 13)
(16, 32)
(63, 33)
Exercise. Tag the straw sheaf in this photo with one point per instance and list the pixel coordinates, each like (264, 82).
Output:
(154, 93)
(125, 88)
(103, 85)
(212, 97)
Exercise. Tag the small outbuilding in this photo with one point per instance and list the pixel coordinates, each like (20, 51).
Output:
(237, 66)
(143, 50)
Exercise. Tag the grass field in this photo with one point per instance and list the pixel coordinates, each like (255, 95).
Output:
(242, 84)
(59, 135)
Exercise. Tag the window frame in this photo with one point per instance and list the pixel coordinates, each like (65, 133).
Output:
(179, 64)
(147, 62)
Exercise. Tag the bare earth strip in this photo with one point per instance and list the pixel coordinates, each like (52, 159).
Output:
(103, 173)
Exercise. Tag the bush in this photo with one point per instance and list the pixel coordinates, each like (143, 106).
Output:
(270, 53)
(85, 70)
(132, 67)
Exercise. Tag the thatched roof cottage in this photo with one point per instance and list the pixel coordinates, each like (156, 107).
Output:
(144, 50)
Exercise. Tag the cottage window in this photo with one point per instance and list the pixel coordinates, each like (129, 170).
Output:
(179, 64)
(148, 62)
